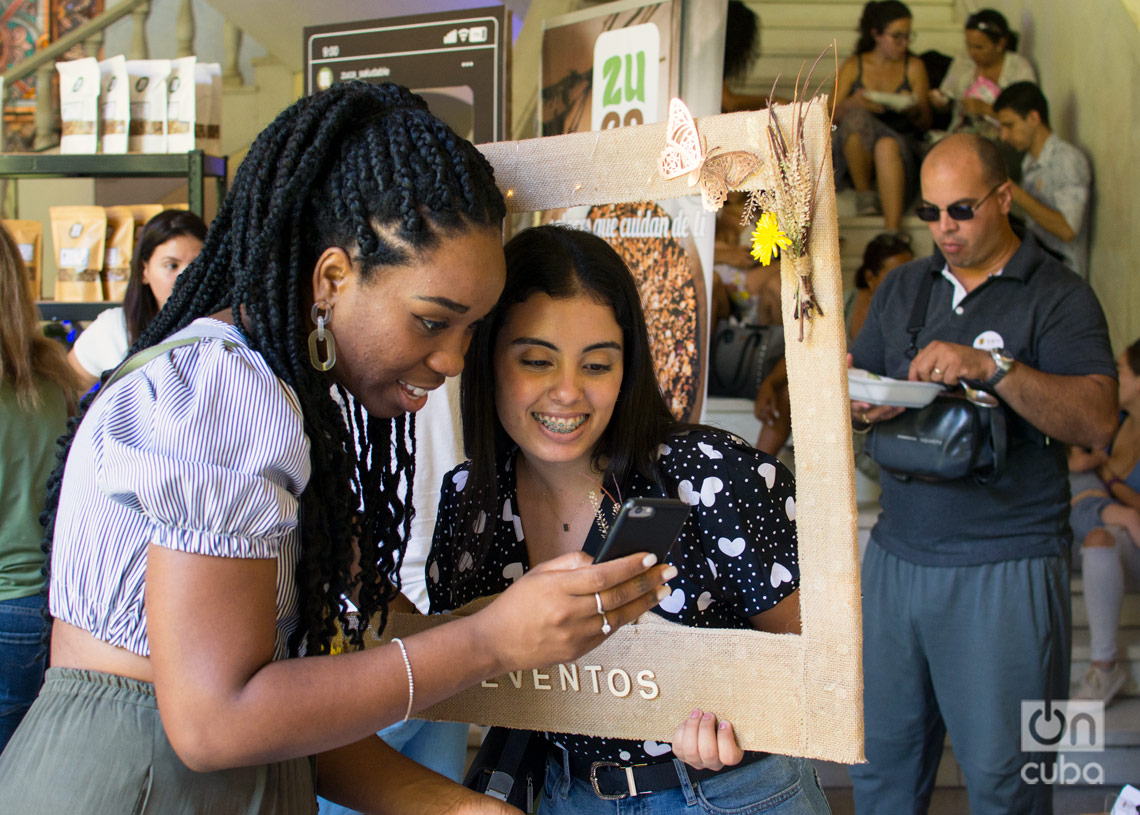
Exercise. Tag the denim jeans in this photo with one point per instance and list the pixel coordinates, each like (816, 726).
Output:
(775, 785)
(22, 658)
(439, 746)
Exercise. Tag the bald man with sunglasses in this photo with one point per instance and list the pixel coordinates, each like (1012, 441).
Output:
(966, 587)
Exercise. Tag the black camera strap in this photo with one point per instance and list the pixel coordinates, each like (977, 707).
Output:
(918, 313)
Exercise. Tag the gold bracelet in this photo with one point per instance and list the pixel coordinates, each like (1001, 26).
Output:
(411, 679)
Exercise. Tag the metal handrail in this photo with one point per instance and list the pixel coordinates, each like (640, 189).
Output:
(70, 40)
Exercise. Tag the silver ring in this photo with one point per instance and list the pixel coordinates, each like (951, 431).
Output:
(936, 372)
(606, 627)
(598, 597)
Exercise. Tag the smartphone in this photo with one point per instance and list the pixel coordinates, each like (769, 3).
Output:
(645, 525)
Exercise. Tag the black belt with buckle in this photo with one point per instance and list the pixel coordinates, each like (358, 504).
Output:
(613, 781)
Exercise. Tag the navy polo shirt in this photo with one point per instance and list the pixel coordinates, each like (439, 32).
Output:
(1049, 319)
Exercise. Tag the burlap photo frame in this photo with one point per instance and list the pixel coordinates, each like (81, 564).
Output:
(791, 694)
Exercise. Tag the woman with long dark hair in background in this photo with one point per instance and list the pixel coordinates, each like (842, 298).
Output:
(166, 246)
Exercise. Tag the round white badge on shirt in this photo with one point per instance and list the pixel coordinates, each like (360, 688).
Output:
(988, 341)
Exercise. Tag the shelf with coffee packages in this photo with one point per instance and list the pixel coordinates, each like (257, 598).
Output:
(195, 166)
(55, 311)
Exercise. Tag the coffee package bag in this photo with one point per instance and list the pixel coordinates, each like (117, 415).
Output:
(29, 238)
(114, 105)
(120, 245)
(79, 105)
(208, 133)
(148, 104)
(78, 235)
(181, 105)
(143, 213)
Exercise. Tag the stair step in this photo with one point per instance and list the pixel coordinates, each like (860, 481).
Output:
(781, 60)
(1127, 642)
(1118, 760)
(1122, 725)
(855, 232)
(845, 16)
(1129, 613)
(1128, 647)
(855, 5)
(800, 38)
(837, 776)
(1116, 766)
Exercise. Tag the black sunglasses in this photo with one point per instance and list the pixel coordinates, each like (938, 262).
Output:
(959, 212)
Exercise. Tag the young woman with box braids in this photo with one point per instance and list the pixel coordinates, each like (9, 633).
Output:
(241, 477)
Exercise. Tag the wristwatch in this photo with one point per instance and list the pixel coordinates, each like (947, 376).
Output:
(1004, 361)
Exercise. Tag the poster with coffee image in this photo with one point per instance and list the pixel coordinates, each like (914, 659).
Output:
(617, 66)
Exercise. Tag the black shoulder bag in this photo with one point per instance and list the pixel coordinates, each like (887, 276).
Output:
(950, 438)
(741, 356)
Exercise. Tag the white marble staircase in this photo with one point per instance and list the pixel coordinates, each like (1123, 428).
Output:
(794, 32)
(792, 35)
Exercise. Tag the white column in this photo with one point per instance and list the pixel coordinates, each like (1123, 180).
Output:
(139, 49)
(93, 43)
(45, 108)
(184, 29)
(231, 45)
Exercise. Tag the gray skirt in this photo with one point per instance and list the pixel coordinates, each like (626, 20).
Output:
(94, 742)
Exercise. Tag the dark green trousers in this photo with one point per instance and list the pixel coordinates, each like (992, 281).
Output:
(94, 743)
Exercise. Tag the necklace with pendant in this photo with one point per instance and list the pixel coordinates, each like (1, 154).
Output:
(548, 500)
(596, 503)
(592, 496)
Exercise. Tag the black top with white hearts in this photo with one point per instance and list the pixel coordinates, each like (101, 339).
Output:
(736, 556)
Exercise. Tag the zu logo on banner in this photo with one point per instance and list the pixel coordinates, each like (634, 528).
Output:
(626, 71)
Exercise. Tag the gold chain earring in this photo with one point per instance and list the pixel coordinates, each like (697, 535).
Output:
(322, 334)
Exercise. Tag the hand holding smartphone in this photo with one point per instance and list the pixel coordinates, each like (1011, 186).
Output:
(645, 525)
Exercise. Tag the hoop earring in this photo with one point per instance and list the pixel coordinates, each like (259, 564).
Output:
(322, 334)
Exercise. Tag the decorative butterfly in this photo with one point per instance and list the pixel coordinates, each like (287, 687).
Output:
(685, 153)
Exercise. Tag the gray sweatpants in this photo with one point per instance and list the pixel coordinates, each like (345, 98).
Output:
(957, 649)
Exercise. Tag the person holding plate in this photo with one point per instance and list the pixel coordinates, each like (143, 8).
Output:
(957, 574)
(976, 78)
(882, 107)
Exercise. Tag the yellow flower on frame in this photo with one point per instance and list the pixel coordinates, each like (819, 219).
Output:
(768, 239)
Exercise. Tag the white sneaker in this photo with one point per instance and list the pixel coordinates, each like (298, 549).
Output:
(867, 203)
(1099, 684)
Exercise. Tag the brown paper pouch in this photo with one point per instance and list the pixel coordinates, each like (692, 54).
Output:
(78, 235)
(143, 213)
(120, 246)
(29, 237)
